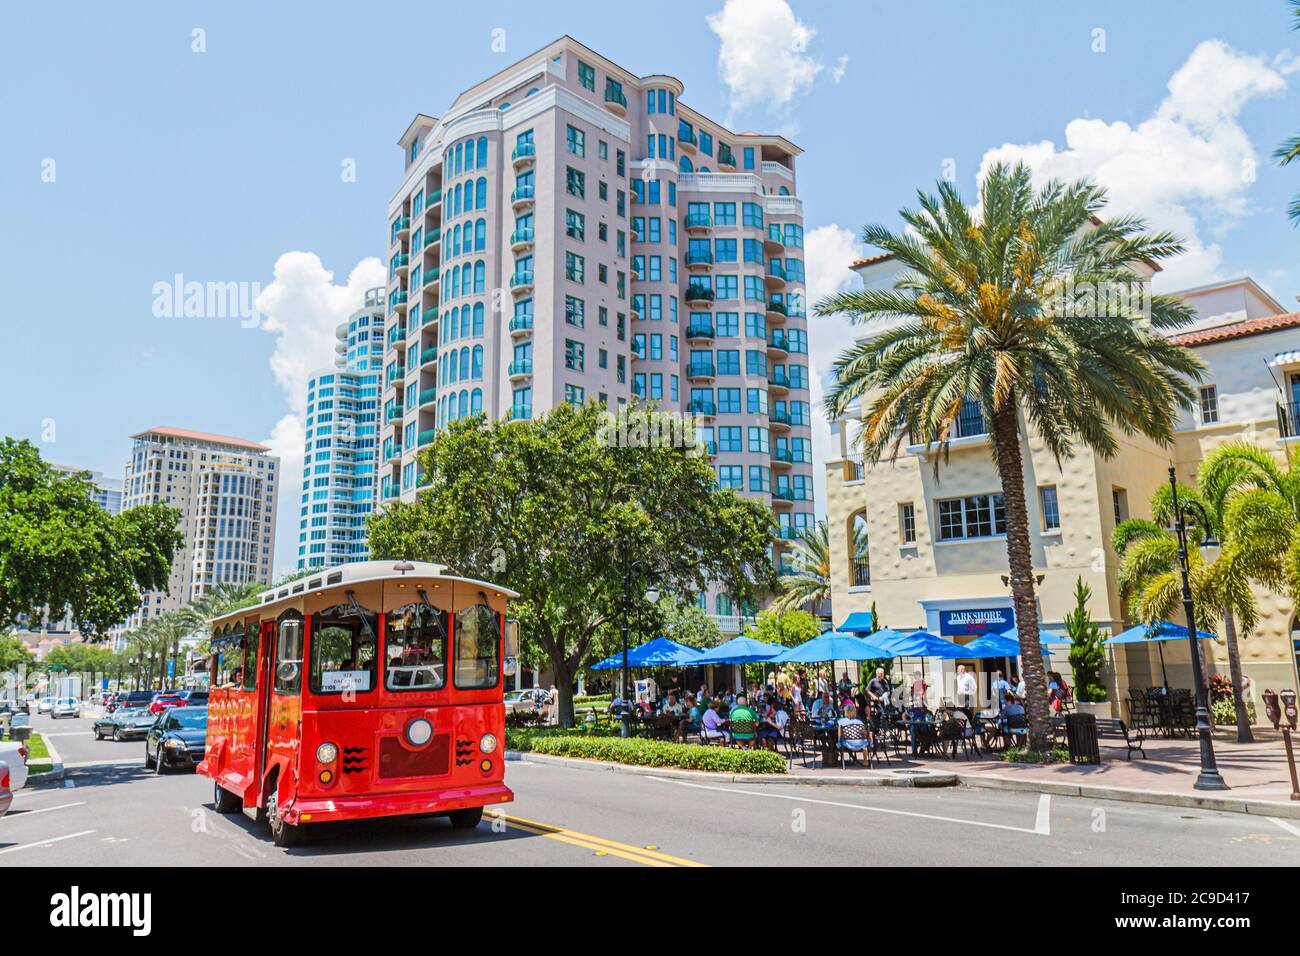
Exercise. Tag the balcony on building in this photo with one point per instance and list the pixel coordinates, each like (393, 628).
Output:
(425, 437)
(615, 99)
(700, 370)
(428, 354)
(861, 573)
(521, 281)
(726, 159)
(780, 418)
(778, 343)
(775, 274)
(521, 239)
(428, 396)
(520, 368)
(698, 222)
(521, 325)
(773, 243)
(698, 296)
(521, 412)
(781, 457)
(778, 379)
(777, 310)
(521, 196)
(699, 330)
(431, 277)
(1288, 421)
(433, 237)
(703, 408)
(522, 155)
(698, 261)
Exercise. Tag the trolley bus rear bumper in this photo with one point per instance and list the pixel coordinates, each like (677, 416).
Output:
(333, 809)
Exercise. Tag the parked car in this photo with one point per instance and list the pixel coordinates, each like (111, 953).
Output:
(66, 707)
(167, 699)
(14, 754)
(6, 795)
(125, 723)
(529, 699)
(135, 698)
(45, 705)
(177, 739)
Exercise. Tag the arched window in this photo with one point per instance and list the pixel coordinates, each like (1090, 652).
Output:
(480, 235)
(481, 152)
(478, 318)
(503, 107)
(469, 155)
(464, 365)
(455, 200)
(465, 280)
(459, 148)
(464, 404)
(532, 91)
(476, 402)
(480, 193)
(480, 275)
(860, 560)
(685, 165)
(784, 191)
(455, 280)
(704, 169)
(455, 240)
(465, 323)
(476, 364)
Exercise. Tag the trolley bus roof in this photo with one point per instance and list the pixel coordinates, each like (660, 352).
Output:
(360, 573)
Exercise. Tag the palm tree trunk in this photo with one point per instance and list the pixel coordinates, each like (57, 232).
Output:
(1244, 736)
(1006, 444)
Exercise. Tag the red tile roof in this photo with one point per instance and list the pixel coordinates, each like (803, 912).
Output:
(871, 260)
(203, 436)
(1237, 330)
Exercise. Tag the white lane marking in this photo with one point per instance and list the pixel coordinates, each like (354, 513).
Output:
(1043, 822)
(58, 839)
(1288, 827)
(32, 813)
(120, 761)
(851, 806)
(72, 733)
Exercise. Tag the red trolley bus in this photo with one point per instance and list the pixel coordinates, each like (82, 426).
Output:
(372, 689)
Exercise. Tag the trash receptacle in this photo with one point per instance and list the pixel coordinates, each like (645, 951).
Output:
(1081, 738)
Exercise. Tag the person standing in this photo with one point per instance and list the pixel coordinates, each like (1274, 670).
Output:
(878, 691)
(965, 687)
(1000, 689)
(553, 706)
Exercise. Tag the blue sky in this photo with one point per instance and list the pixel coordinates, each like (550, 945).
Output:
(219, 165)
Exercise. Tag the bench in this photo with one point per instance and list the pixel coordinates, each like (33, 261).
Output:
(1108, 728)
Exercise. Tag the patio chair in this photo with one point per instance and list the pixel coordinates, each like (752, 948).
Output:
(879, 739)
(1017, 725)
(744, 733)
(853, 740)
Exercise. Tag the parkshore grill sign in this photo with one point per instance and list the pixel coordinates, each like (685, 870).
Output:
(991, 620)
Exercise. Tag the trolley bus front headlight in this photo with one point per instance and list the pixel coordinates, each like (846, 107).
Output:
(487, 743)
(326, 753)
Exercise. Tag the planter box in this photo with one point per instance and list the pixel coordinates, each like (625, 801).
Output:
(1107, 708)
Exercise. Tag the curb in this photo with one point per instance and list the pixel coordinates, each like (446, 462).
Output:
(925, 779)
(1266, 808)
(56, 771)
(878, 778)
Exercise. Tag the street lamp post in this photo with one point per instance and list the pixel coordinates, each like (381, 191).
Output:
(1209, 777)
(631, 569)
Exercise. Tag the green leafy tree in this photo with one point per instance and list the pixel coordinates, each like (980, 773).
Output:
(787, 628)
(60, 552)
(14, 654)
(566, 514)
(1087, 647)
(689, 624)
(809, 584)
(1289, 152)
(984, 317)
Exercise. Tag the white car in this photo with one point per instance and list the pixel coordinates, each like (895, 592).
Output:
(66, 707)
(6, 795)
(14, 754)
(45, 706)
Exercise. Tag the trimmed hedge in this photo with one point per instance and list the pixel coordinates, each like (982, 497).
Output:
(644, 753)
(596, 700)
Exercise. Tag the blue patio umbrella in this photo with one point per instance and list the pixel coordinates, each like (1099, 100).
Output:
(1159, 632)
(739, 650)
(859, 623)
(992, 646)
(660, 652)
(916, 644)
(1045, 637)
(832, 646)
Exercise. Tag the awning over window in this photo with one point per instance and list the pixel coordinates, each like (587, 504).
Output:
(1286, 358)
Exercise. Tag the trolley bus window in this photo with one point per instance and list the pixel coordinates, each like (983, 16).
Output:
(343, 640)
(477, 642)
(250, 657)
(228, 658)
(288, 654)
(415, 642)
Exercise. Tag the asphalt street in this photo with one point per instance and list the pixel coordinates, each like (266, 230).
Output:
(110, 811)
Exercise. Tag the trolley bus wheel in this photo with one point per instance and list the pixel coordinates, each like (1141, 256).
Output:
(223, 801)
(466, 819)
(282, 834)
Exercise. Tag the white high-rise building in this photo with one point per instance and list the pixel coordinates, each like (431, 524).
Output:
(342, 442)
(107, 492)
(225, 490)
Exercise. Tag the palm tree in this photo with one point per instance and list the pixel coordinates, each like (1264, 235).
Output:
(811, 581)
(1289, 151)
(980, 319)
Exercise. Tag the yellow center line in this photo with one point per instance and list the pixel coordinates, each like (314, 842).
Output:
(624, 851)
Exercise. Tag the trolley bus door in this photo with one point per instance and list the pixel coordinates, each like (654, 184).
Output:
(265, 670)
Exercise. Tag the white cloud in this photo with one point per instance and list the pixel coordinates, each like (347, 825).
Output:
(828, 250)
(1188, 167)
(841, 67)
(302, 306)
(763, 59)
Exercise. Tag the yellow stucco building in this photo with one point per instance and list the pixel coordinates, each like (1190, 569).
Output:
(936, 560)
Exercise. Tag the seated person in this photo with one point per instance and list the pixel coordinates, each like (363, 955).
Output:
(673, 707)
(1011, 707)
(851, 732)
(712, 726)
(690, 723)
(823, 708)
(771, 724)
(743, 722)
